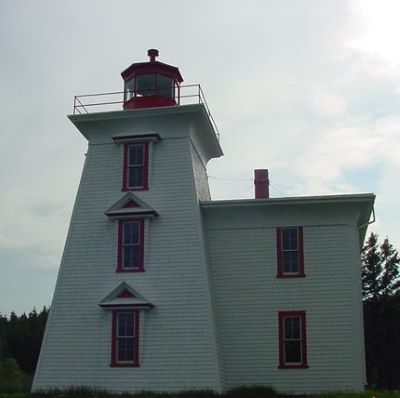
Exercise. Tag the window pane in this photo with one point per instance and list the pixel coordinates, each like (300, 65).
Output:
(136, 155)
(131, 257)
(292, 327)
(288, 328)
(296, 327)
(129, 329)
(131, 233)
(291, 262)
(293, 351)
(125, 324)
(289, 239)
(165, 87)
(146, 85)
(136, 177)
(125, 349)
(129, 89)
(122, 320)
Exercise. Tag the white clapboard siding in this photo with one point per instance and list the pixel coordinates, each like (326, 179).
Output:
(177, 344)
(242, 255)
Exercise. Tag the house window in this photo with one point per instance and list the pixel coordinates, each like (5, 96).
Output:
(130, 246)
(289, 252)
(135, 173)
(292, 339)
(125, 338)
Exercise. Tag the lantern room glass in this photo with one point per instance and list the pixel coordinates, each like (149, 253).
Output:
(150, 85)
(129, 89)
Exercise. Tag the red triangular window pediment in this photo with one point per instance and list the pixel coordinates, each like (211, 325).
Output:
(129, 204)
(126, 294)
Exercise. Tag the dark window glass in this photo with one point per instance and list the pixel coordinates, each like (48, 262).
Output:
(290, 239)
(292, 337)
(136, 167)
(125, 336)
(131, 245)
(145, 85)
(290, 250)
(131, 257)
(129, 89)
(165, 87)
(131, 233)
(136, 155)
(136, 177)
(292, 352)
(290, 262)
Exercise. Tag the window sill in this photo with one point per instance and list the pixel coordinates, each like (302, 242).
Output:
(301, 366)
(126, 189)
(288, 276)
(129, 270)
(124, 365)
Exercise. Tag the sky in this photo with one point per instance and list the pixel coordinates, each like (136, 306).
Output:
(309, 89)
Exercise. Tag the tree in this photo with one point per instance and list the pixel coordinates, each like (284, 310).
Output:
(21, 338)
(380, 265)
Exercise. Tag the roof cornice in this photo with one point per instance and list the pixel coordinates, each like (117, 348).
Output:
(136, 113)
(299, 200)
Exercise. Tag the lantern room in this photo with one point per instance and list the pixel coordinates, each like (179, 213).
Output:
(151, 84)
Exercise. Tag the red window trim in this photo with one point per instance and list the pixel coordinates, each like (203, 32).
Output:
(125, 186)
(279, 254)
(120, 261)
(114, 362)
(281, 330)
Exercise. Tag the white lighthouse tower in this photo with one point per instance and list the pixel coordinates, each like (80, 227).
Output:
(132, 307)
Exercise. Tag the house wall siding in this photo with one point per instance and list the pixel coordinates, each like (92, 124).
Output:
(248, 298)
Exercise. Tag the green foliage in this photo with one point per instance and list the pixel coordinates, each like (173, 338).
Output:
(381, 292)
(83, 392)
(12, 378)
(364, 394)
(380, 269)
(245, 392)
(21, 338)
(253, 392)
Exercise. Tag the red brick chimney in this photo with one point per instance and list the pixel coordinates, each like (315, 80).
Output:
(261, 184)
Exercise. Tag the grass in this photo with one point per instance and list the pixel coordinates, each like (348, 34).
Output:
(243, 392)
(364, 394)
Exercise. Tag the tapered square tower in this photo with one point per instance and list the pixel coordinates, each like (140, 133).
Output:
(132, 306)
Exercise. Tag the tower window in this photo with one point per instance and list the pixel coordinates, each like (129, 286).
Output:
(292, 339)
(289, 252)
(130, 246)
(125, 338)
(135, 175)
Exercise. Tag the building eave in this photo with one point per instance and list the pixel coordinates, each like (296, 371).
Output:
(197, 112)
(286, 201)
(361, 204)
(135, 113)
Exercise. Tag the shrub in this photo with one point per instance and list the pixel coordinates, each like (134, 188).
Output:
(12, 378)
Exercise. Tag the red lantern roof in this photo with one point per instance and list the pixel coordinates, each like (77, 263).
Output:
(152, 67)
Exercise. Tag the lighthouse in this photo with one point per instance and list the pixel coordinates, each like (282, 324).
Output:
(132, 307)
(162, 288)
